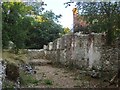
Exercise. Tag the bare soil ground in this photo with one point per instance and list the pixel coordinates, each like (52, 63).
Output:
(55, 77)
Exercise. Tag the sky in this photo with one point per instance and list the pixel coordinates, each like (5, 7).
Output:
(58, 7)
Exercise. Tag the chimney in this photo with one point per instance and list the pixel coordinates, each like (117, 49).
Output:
(79, 23)
(75, 19)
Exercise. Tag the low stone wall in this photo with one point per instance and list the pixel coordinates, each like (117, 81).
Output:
(35, 54)
(80, 50)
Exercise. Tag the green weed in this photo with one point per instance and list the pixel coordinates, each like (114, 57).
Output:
(48, 82)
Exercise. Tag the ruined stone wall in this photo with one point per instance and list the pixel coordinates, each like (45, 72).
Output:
(35, 54)
(82, 51)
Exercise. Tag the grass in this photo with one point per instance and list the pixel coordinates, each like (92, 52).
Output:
(27, 79)
(48, 82)
(14, 58)
(7, 85)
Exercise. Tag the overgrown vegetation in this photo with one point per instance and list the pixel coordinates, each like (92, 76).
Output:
(27, 79)
(13, 62)
(11, 57)
(8, 85)
(48, 82)
(27, 26)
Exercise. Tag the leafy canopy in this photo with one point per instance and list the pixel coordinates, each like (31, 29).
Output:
(27, 27)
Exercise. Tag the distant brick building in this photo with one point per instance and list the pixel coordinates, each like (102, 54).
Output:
(79, 24)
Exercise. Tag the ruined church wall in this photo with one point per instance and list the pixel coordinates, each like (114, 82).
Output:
(82, 51)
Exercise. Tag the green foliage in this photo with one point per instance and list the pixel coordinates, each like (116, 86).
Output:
(26, 27)
(102, 17)
(51, 16)
(38, 7)
(48, 82)
(66, 30)
(7, 85)
(27, 79)
(43, 30)
(13, 15)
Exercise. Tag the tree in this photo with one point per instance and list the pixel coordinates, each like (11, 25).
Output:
(102, 17)
(51, 16)
(13, 16)
(43, 30)
(38, 7)
(26, 29)
(66, 30)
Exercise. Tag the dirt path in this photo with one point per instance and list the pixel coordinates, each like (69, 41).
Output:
(54, 77)
(58, 77)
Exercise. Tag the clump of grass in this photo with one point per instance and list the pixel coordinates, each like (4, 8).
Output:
(48, 82)
(7, 85)
(27, 79)
(14, 58)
